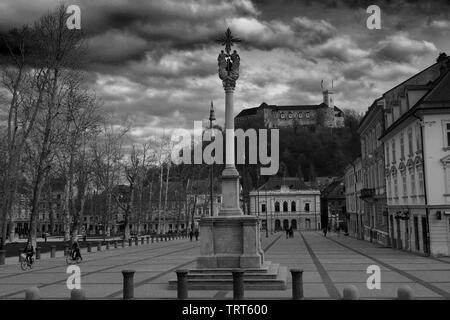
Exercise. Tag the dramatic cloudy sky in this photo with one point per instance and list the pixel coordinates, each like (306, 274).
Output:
(156, 60)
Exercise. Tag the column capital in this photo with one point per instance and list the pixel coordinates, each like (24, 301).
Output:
(229, 85)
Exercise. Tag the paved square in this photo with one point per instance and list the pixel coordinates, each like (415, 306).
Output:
(328, 264)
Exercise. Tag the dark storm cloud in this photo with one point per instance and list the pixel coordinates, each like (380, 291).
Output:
(157, 60)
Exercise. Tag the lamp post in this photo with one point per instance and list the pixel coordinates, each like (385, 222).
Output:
(211, 170)
(267, 221)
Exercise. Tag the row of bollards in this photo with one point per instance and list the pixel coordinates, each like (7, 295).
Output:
(350, 292)
(404, 292)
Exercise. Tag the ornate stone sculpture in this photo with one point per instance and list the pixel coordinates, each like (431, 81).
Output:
(228, 63)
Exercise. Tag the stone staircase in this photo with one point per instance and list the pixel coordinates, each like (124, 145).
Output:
(271, 276)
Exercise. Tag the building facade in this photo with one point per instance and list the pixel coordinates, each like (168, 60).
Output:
(286, 202)
(355, 207)
(417, 154)
(373, 193)
(332, 203)
(273, 116)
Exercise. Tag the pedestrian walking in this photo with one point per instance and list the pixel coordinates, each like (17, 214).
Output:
(196, 234)
(45, 237)
(191, 234)
(325, 232)
(287, 232)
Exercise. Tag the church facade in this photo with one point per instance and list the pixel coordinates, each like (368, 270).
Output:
(272, 116)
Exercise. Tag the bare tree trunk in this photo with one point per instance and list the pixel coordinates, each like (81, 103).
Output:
(160, 199)
(165, 198)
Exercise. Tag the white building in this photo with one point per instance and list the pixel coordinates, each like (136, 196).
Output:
(417, 158)
(286, 202)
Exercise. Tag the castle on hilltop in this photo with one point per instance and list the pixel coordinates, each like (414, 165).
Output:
(273, 116)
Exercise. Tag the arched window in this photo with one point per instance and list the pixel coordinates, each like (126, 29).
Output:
(277, 206)
(277, 224)
(285, 206)
(293, 206)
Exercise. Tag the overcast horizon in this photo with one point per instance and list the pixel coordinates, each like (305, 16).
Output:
(157, 60)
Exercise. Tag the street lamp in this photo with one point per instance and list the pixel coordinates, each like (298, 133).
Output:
(211, 170)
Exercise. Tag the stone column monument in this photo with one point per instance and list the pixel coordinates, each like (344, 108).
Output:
(231, 240)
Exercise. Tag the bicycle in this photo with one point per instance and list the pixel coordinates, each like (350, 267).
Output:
(25, 263)
(71, 260)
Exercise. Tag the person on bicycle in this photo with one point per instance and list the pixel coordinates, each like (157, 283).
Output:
(76, 251)
(29, 251)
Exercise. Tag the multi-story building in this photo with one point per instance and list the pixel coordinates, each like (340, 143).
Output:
(373, 193)
(417, 158)
(354, 204)
(332, 204)
(273, 116)
(286, 202)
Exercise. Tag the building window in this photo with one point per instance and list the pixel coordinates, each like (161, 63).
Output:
(387, 154)
(277, 206)
(388, 187)
(293, 206)
(413, 182)
(410, 141)
(404, 185)
(285, 206)
(307, 207)
(402, 146)
(393, 150)
(447, 135)
(263, 207)
(307, 114)
(300, 115)
(395, 185)
(420, 176)
(418, 138)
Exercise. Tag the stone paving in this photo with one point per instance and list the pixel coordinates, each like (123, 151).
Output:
(328, 263)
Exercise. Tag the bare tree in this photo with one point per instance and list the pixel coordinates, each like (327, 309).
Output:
(108, 153)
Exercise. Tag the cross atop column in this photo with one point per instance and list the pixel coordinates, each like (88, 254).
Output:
(228, 40)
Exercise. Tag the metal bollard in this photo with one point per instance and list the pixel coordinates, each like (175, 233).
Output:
(405, 292)
(130, 242)
(99, 246)
(297, 284)
(89, 247)
(142, 240)
(238, 284)
(32, 293)
(52, 251)
(182, 289)
(165, 238)
(77, 294)
(350, 292)
(2, 256)
(66, 250)
(107, 245)
(152, 239)
(148, 240)
(128, 284)
(136, 241)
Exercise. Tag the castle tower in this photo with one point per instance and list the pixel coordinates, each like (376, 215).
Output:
(328, 97)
